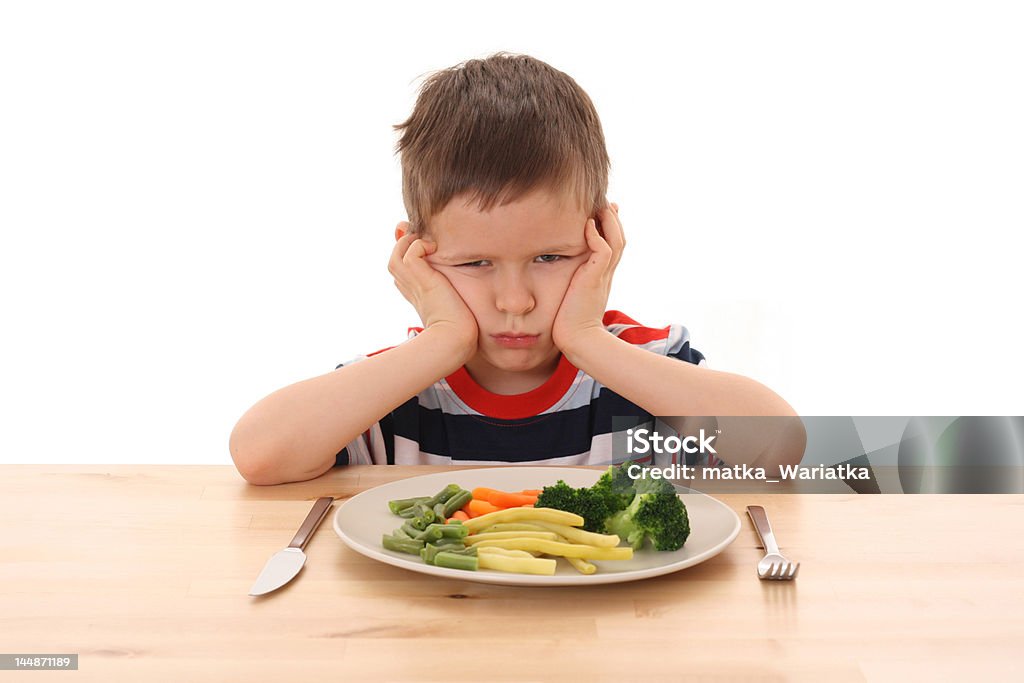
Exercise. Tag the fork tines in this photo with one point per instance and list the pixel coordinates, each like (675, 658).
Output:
(782, 571)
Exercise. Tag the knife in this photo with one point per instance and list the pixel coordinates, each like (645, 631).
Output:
(285, 564)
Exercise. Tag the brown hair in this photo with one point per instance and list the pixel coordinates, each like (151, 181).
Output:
(498, 128)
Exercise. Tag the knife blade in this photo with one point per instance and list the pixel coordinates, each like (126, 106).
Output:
(283, 566)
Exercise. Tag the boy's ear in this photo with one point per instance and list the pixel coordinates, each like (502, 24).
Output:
(401, 229)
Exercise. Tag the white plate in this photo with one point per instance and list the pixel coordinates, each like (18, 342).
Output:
(364, 518)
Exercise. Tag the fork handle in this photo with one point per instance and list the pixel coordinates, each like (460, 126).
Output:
(763, 528)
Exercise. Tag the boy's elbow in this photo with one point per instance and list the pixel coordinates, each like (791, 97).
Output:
(788, 444)
(266, 466)
(795, 441)
(790, 436)
(257, 475)
(247, 462)
(256, 466)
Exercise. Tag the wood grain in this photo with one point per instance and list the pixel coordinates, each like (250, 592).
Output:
(144, 572)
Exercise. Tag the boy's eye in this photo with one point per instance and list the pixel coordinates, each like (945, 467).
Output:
(543, 258)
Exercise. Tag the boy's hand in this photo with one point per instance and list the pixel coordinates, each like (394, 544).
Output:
(583, 306)
(429, 291)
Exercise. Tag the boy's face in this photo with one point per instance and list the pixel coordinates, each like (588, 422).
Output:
(512, 267)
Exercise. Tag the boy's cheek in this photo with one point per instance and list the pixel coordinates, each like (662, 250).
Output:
(456, 274)
(468, 288)
(559, 289)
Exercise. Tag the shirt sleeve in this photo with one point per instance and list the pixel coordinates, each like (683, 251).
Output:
(378, 440)
(357, 451)
(678, 346)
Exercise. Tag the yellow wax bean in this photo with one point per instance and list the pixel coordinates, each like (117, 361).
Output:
(517, 565)
(503, 551)
(586, 552)
(514, 526)
(575, 535)
(581, 565)
(476, 538)
(523, 515)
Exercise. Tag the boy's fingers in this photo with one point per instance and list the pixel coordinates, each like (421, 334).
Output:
(401, 264)
(415, 257)
(402, 243)
(613, 234)
(601, 250)
(397, 254)
(417, 250)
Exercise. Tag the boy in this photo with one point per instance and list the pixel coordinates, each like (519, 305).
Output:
(507, 257)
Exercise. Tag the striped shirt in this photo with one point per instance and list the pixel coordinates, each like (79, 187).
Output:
(569, 420)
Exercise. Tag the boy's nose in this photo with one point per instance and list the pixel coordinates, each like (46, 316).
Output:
(514, 297)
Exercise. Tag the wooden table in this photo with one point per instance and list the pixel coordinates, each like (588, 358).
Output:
(144, 572)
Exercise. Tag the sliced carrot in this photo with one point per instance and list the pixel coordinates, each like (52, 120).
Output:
(502, 499)
(460, 515)
(483, 493)
(531, 492)
(480, 507)
(508, 500)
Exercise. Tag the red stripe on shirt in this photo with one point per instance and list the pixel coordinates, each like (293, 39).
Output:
(516, 406)
(642, 335)
(637, 334)
(617, 318)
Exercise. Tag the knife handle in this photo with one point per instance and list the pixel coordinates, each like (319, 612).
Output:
(312, 521)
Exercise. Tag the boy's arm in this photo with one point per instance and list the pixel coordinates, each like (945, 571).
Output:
(295, 433)
(667, 387)
(663, 386)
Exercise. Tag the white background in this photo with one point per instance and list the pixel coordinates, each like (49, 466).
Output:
(198, 199)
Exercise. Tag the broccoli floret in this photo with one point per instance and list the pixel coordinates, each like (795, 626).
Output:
(617, 486)
(655, 513)
(635, 510)
(593, 506)
(559, 496)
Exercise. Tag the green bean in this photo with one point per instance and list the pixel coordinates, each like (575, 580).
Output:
(429, 552)
(454, 560)
(470, 551)
(456, 502)
(400, 532)
(411, 530)
(451, 530)
(426, 512)
(430, 534)
(444, 494)
(424, 516)
(397, 506)
(439, 515)
(402, 545)
(449, 544)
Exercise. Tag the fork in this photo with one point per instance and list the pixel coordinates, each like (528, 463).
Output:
(773, 566)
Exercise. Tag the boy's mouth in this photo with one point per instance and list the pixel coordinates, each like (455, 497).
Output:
(515, 339)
